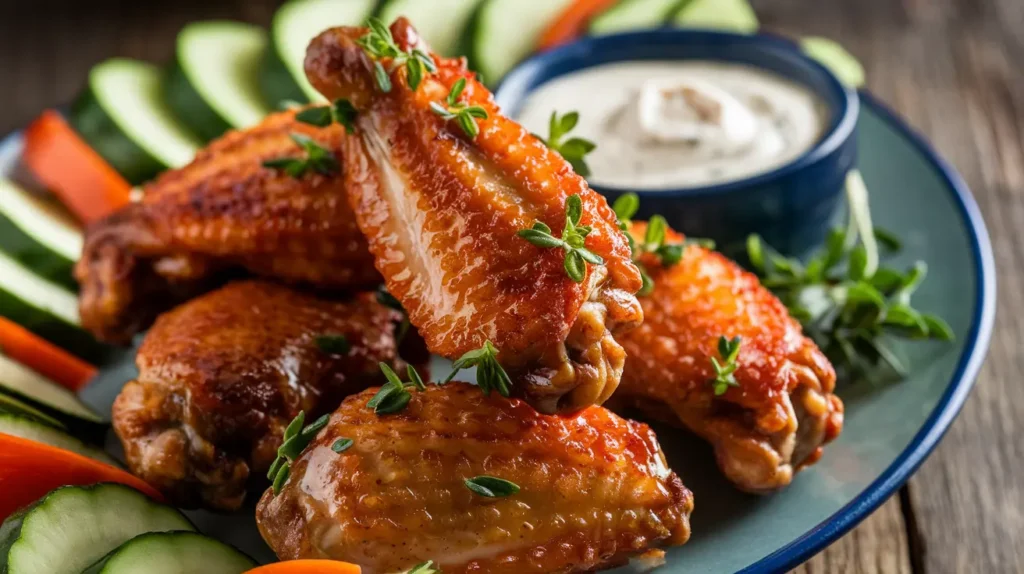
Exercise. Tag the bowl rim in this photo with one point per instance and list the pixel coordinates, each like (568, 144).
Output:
(841, 130)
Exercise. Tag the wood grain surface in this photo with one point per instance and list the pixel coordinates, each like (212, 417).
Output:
(952, 68)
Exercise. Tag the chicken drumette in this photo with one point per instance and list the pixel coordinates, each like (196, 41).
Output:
(782, 411)
(221, 376)
(441, 211)
(223, 214)
(594, 489)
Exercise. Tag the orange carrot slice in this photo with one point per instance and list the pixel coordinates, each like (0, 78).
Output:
(571, 22)
(307, 567)
(44, 357)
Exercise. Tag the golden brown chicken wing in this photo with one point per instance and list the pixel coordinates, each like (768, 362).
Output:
(441, 211)
(221, 376)
(594, 489)
(222, 214)
(781, 413)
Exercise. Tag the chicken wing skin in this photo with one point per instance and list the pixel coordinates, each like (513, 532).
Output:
(221, 376)
(442, 210)
(222, 215)
(783, 411)
(594, 489)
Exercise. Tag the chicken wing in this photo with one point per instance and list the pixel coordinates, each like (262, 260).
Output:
(781, 413)
(222, 214)
(221, 376)
(594, 489)
(441, 211)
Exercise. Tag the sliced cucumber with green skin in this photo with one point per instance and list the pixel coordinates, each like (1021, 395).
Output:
(47, 309)
(72, 527)
(833, 56)
(39, 233)
(29, 429)
(12, 406)
(43, 394)
(214, 85)
(726, 15)
(440, 22)
(503, 32)
(123, 116)
(295, 25)
(634, 15)
(173, 553)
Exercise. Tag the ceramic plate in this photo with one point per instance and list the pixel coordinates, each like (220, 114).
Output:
(889, 429)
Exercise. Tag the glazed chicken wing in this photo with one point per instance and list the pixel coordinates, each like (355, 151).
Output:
(221, 376)
(222, 214)
(594, 489)
(783, 411)
(441, 211)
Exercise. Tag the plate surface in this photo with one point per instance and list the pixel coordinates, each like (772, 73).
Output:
(889, 428)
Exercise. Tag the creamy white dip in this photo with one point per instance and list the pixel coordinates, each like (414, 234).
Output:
(672, 124)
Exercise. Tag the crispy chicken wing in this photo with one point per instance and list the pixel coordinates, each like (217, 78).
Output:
(594, 489)
(441, 212)
(222, 214)
(221, 376)
(783, 411)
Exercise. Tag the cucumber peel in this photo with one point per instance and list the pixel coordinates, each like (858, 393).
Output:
(834, 57)
(725, 15)
(629, 15)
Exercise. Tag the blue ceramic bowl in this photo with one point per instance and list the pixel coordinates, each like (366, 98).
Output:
(792, 206)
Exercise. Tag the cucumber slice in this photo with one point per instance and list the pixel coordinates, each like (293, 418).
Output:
(12, 406)
(29, 429)
(727, 15)
(74, 526)
(634, 15)
(39, 233)
(505, 31)
(441, 22)
(123, 116)
(45, 308)
(43, 393)
(173, 553)
(214, 85)
(834, 57)
(295, 25)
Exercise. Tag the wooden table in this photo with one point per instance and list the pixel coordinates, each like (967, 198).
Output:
(953, 68)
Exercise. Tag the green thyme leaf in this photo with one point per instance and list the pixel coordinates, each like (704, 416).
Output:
(319, 116)
(280, 478)
(625, 207)
(465, 116)
(333, 344)
(424, 568)
(295, 440)
(573, 150)
(490, 375)
(728, 351)
(393, 403)
(341, 445)
(572, 240)
(491, 487)
(317, 159)
(379, 44)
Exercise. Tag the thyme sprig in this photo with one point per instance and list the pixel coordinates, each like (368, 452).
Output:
(318, 159)
(425, 568)
(572, 241)
(394, 395)
(728, 351)
(453, 109)
(341, 111)
(491, 486)
(490, 375)
(574, 150)
(848, 302)
(295, 440)
(379, 44)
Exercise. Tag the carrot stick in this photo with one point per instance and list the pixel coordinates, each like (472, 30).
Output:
(29, 470)
(63, 162)
(307, 567)
(571, 22)
(44, 357)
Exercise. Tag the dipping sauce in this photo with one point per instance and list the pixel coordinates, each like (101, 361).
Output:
(677, 124)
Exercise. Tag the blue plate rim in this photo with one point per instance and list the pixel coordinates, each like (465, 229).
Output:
(927, 438)
(951, 402)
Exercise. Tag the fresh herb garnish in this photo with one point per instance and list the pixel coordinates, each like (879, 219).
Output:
(380, 44)
(728, 350)
(491, 487)
(394, 395)
(318, 159)
(490, 375)
(424, 568)
(333, 344)
(464, 115)
(572, 240)
(341, 445)
(573, 149)
(341, 111)
(296, 439)
(848, 303)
